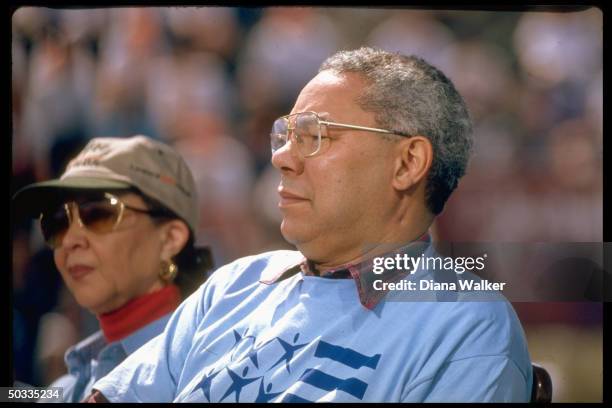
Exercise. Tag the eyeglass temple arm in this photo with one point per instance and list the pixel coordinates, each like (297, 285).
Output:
(325, 122)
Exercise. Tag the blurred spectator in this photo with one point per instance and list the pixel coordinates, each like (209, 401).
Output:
(284, 50)
(211, 29)
(56, 103)
(545, 41)
(416, 32)
(482, 72)
(132, 39)
(36, 283)
(192, 79)
(57, 333)
(223, 172)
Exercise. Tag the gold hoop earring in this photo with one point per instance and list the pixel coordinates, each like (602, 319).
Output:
(168, 271)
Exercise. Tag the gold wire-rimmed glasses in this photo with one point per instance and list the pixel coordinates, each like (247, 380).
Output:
(308, 129)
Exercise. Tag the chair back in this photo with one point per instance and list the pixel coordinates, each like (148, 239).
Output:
(541, 390)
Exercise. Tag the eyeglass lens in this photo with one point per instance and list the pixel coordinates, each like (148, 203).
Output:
(305, 128)
(97, 216)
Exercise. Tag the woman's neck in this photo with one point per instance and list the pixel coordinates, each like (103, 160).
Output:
(139, 312)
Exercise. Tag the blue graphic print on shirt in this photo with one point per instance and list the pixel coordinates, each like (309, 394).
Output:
(236, 376)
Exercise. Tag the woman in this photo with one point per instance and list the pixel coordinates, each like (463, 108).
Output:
(121, 223)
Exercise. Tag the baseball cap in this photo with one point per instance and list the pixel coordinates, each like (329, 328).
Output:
(114, 163)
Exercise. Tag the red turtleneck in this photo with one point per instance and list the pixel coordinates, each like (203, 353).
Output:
(139, 312)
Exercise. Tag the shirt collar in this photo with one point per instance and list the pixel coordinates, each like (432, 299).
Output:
(86, 350)
(360, 272)
(135, 340)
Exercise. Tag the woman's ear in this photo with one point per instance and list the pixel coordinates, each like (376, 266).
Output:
(174, 235)
(413, 159)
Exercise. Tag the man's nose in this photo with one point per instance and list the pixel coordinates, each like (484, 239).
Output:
(287, 159)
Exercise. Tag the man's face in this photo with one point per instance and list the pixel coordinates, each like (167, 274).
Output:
(341, 199)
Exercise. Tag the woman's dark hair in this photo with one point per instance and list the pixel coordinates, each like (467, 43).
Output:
(194, 263)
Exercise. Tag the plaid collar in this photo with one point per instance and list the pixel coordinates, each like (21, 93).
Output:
(361, 272)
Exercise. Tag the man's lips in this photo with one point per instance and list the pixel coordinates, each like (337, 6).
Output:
(289, 198)
(78, 271)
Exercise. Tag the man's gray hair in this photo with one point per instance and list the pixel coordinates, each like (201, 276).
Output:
(409, 95)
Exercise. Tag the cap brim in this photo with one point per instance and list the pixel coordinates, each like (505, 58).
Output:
(32, 199)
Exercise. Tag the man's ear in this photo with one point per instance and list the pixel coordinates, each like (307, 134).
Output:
(174, 235)
(413, 159)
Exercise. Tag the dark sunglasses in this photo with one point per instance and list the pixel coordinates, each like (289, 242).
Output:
(100, 216)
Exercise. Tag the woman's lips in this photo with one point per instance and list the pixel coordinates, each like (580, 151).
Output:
(78, 271)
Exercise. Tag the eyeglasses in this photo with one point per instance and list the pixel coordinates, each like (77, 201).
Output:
(308, 129)
(99, 216)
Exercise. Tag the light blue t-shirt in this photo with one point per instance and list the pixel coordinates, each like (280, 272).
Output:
(93, 358)
(308, 338)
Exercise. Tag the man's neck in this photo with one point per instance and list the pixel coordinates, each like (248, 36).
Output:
(369, 250)
(407, 223)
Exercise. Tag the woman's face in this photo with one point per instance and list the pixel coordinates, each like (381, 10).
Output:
(104, 271)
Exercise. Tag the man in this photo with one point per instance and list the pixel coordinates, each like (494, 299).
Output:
(371, 151)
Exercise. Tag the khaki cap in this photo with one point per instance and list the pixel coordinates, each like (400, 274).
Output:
(154, 168)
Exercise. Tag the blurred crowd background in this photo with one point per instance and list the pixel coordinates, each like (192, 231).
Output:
(211, 80)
